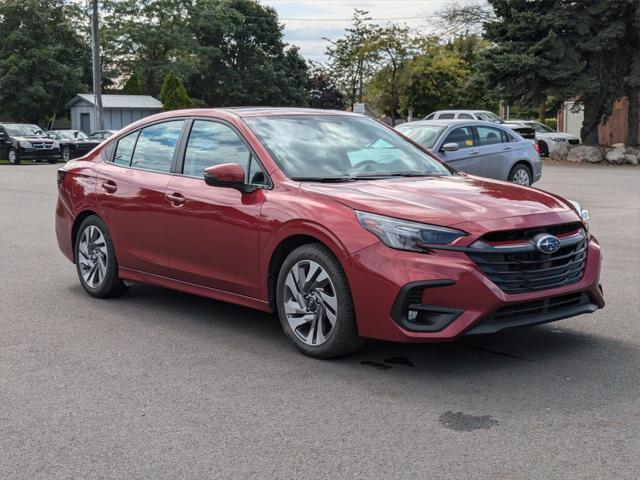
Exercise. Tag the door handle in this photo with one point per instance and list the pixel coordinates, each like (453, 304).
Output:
(506, 148)
(176, 198)
(109, 186)
(474, 152)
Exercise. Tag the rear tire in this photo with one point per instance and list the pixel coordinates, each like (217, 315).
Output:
(521, 175)
(96, 261)
(315, 304)
(14, 156)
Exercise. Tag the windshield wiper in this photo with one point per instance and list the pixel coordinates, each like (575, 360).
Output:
(397, 174)
(324, 179)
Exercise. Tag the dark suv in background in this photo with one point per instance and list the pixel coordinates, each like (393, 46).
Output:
(19, 141)
(73, 143)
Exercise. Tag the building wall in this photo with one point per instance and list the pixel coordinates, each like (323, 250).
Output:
(114, 119)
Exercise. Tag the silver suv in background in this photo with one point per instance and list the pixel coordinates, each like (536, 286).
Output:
(479, 148)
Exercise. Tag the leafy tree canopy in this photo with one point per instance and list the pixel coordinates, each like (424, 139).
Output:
(44, 58)
(173, 94)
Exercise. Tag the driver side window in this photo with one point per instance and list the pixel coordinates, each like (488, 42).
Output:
(463, 136)
(210, 144)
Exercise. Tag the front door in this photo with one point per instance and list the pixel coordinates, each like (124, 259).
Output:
(213, 232)
(131, 191)
(466, 157)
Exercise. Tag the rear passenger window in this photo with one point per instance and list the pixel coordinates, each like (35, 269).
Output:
(488, 136)
(463, 136)
(466, 116)
(212, 143)
(444, 116)
(155, 147)
(124, 150)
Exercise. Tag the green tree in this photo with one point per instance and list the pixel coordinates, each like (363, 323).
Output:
(148, 37)
(174, 95)
(353, 58)
(44, 58)
(395, 46)
(240, 57)
(323, 90)
(133, 85)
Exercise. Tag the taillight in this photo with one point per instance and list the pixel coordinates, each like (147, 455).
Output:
(61, 174)
(536, 147)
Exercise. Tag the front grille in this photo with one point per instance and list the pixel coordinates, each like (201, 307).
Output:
(573, 141)
(525, 269)
(538, 307)
(42, 145)
(527, 233)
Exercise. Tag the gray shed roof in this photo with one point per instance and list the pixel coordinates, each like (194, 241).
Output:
(125, 102)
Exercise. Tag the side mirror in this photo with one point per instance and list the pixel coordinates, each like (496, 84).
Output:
(230, 175)
(450, 147)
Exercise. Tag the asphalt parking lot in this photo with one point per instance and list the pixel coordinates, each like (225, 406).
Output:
(160, 384)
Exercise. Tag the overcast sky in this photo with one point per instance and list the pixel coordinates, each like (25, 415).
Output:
(308, 21)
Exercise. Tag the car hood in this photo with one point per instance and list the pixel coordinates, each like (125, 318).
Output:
(443, 201)
(28, 138)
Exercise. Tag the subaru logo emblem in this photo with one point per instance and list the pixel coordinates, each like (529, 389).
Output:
(546, 243)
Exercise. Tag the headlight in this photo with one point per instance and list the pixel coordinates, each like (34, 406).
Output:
(25, 144)
(561, 140)
(405, 235)
(584, 214)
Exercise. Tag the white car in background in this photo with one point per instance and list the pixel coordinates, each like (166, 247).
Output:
(525, 131)
(548, 139)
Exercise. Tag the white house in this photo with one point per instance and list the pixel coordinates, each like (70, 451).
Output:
(119, 110)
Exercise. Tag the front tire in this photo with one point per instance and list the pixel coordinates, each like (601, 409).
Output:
(14, 156)
(66, 154)
(521, 175)
(96, 260)
(544, 149)
(315, 305)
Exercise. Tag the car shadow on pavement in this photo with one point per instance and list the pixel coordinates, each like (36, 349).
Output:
(548, 366)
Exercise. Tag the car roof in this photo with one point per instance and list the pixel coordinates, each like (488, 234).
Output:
(445, 122)
(273, 111)
(460, 111)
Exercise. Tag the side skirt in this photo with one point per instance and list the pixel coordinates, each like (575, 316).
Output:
(142, 277)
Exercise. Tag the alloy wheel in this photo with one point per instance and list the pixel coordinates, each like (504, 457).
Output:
(12, 156)
(66, 154)
(521, 177)
(93, 256)
(310, 302)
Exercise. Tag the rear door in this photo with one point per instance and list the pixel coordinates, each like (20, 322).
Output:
(131, 194)
(493, 152)
(466, 157)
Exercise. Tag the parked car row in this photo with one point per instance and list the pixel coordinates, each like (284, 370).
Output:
(29, 142)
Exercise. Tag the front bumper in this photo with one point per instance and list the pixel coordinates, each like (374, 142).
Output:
(39, 153)
(458, 297)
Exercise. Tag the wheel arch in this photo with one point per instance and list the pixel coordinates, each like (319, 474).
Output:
(278, 256)
(76, 227)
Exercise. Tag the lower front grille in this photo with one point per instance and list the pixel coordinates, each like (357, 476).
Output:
(538, 307)
(525, 269)
(535, 312)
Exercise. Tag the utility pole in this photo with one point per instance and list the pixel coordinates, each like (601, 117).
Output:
(97, 75)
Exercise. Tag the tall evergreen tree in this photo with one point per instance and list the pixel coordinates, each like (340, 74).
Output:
(174, 95)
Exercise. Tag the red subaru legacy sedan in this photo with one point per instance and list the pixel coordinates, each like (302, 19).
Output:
(343, 226)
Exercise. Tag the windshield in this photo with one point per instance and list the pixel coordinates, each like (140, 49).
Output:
(425, 135)
(23, 130)
(489, 117)
(540, 127)
(336, 147)
(71, 134)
